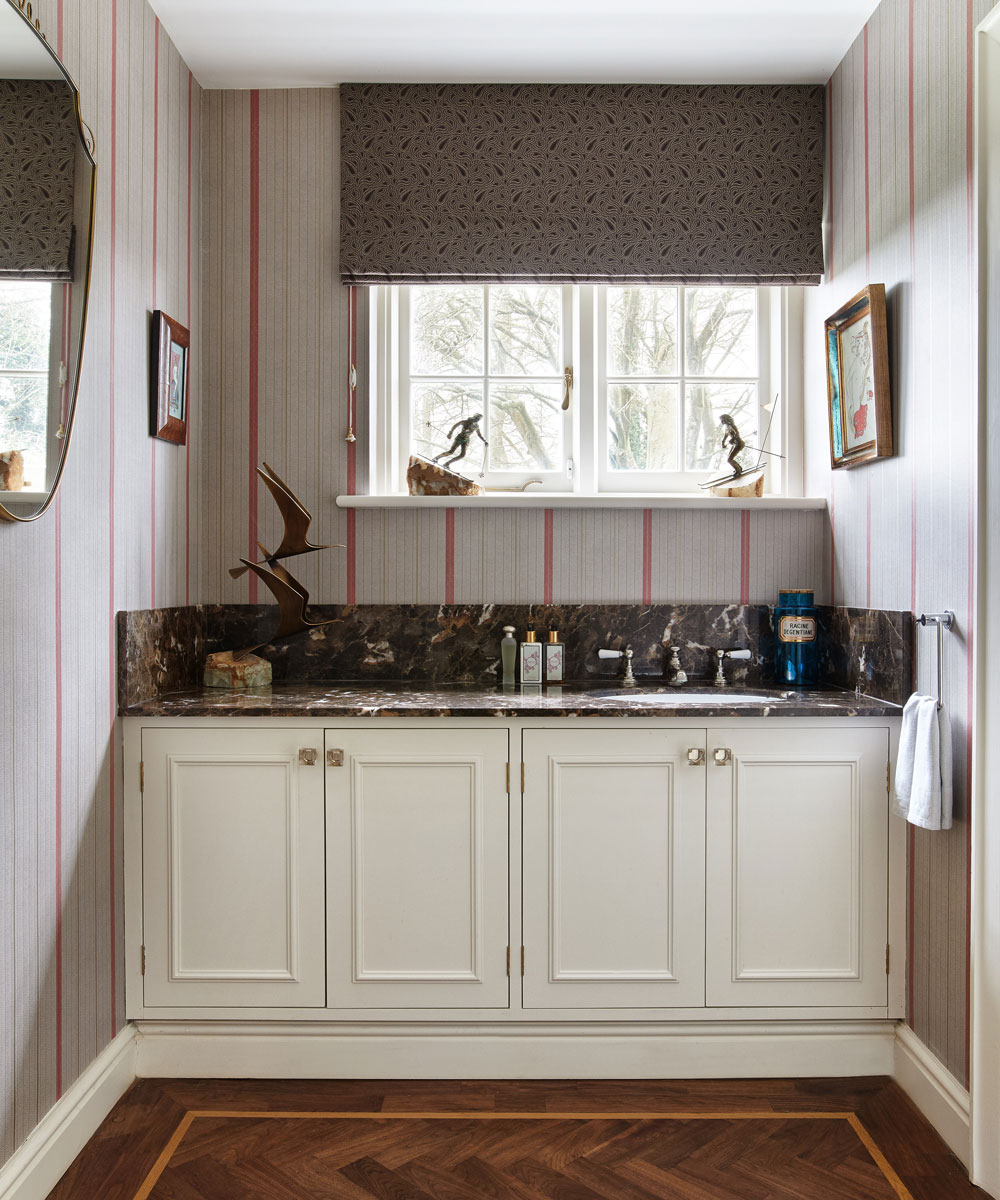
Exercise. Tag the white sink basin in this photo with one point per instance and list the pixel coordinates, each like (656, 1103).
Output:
(674, 699)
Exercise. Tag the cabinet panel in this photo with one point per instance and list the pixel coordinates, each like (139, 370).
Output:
(232, 869)
(417, 868)
(613, 852)
(797, 850)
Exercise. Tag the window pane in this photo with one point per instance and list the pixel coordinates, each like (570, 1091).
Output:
(25, 317)
(704, 405)
(642, 331)
(23, 422)
(436, 407)
(525, 330)
(447, 330)
(643, 432)
(526, 427)
(720, 331)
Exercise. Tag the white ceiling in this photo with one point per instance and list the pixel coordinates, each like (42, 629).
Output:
(310, 43)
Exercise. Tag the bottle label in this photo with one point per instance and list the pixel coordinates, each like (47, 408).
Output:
(531, 662)
(553, 661)
(797, 629)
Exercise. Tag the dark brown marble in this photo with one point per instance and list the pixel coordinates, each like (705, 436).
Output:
(869, 649)
(159, 650)
(460, 643)
(330, 701)
(164, 650)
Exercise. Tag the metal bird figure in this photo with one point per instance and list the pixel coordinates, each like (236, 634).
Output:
(292, 597)
(297, 519)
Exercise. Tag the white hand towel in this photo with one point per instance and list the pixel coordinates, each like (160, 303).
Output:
(923, 766)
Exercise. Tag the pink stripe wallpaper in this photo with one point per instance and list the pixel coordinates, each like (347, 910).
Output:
(109, 537)
(899, 213)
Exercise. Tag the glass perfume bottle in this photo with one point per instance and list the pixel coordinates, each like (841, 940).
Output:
(554, 658)
(508, 655)
(531, 658)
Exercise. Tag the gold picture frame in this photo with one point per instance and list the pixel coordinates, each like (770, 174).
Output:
(857, 377)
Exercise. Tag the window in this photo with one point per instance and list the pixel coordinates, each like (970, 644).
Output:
(25, 320)
(589, 389)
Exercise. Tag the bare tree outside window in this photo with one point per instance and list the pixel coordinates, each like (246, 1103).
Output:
(522, 325)
(648, 419)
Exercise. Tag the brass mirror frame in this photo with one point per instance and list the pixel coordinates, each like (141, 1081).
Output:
(23, 9)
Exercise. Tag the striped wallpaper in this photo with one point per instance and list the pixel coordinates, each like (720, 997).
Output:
(899, 208)
(275, 338)
(122, 534)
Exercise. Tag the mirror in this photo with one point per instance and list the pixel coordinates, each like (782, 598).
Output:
(47, 180)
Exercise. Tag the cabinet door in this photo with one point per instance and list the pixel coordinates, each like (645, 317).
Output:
(232, 837)
(614, 868)
(797, 866)
(417, 868)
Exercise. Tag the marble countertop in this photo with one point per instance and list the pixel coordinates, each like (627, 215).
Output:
(593, 699)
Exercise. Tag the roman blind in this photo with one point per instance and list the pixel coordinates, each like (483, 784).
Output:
(598, 183)
(38, 140)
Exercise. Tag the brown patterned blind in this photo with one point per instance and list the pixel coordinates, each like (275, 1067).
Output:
(581, 183)
(38, 139)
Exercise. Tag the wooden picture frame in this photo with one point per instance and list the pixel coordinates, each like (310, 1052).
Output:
(170, 345)
(857, 377)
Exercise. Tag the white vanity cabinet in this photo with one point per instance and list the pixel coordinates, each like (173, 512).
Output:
(495, 870)
(417, 897)
(614, 867)
(232, 867)
(796, 850)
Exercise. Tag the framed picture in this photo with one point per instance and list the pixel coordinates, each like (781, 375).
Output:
(857, 376)
(170, 344)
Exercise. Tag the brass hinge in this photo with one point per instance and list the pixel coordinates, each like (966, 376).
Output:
(522, 960)
(508, 960)
(522, 777)
(142, 778)
(508, 779)
(887, 958)
(143, 967)
(888, 786)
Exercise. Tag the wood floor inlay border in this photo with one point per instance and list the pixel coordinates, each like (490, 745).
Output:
(170, 1149)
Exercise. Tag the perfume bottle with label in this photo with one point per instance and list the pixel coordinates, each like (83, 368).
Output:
(531, 657)
(554, 658)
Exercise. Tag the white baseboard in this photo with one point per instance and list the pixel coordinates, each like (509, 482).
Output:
(37, 1166)
(934, 1090)
(607, 1050)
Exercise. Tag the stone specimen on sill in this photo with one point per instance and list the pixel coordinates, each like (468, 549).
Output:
(223, 671)
(11, 471)
(424, 478)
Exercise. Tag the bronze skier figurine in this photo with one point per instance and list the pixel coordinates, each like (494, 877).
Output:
(466, 428)
(731, 439)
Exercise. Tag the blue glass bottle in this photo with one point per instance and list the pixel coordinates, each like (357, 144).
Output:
(796, 648)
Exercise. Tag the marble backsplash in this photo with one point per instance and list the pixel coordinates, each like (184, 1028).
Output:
(163, 650)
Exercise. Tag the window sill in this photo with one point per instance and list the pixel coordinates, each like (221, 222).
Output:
(677, 500)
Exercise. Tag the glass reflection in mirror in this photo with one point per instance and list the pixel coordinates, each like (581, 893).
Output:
(46, 228)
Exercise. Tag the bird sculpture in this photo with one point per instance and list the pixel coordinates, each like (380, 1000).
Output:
(292, 597)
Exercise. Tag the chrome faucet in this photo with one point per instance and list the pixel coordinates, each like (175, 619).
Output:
(628, 679)
(721, 656)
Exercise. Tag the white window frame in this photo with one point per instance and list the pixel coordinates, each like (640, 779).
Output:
(586, 472)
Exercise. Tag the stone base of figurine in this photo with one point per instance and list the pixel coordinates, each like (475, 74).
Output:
(425, 478)
(223, 671)
(750, 483)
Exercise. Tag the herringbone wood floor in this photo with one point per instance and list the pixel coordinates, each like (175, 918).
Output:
(635, 1140)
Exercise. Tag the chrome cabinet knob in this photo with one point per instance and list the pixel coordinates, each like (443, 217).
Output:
(334, 758)
(307, 758)
(722, 756)
(696, 756)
